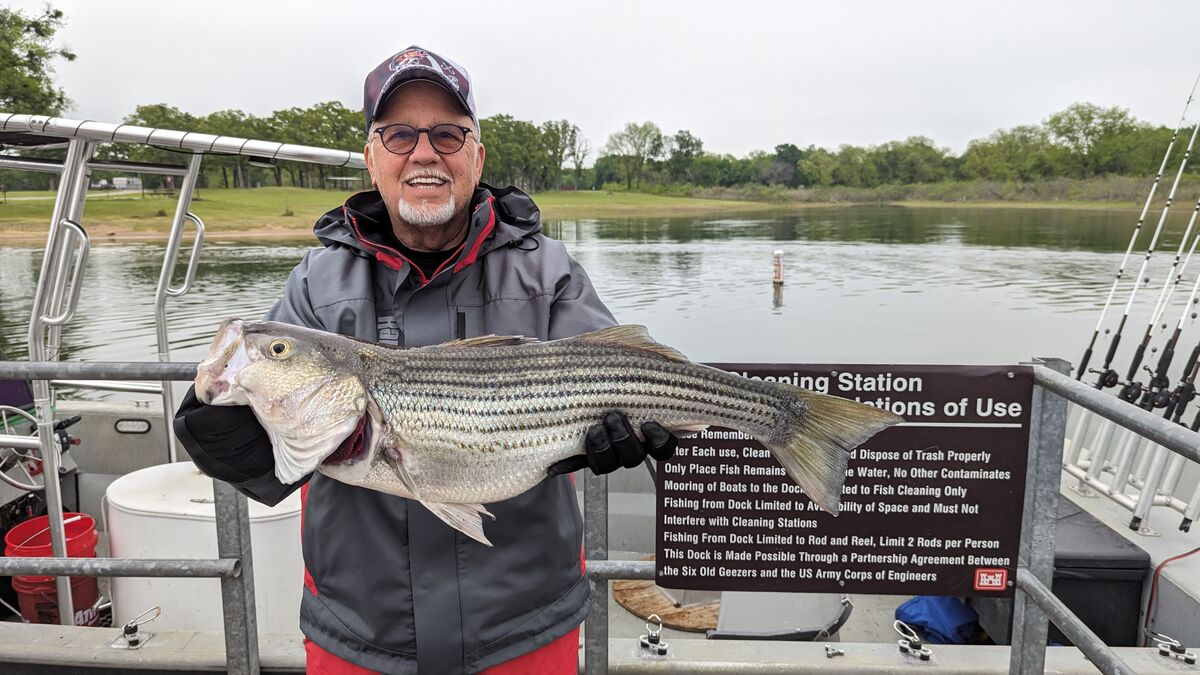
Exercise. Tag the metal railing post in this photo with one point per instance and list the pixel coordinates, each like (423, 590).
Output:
(1101, 655)
(73, 167)
(1048, 428)
(186, 188)
(77, 192)
(237, 593)
(595, 544)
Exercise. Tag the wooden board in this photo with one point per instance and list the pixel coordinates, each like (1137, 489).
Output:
(643, 598)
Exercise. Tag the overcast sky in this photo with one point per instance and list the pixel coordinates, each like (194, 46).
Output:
(740, 75)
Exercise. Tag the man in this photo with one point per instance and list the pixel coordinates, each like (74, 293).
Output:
(431, 255)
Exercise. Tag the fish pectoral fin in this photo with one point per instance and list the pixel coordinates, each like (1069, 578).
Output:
(466, 518)
(396, 462)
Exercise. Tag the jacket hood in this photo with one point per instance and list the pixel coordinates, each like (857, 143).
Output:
(499, 217)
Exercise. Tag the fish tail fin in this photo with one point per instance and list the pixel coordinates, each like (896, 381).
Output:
(815, 441)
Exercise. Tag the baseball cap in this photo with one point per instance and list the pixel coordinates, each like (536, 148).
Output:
(416, 63)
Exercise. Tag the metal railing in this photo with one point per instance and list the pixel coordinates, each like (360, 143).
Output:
(60, 279)
(57, 295)
(102, 132)
(1034, 605)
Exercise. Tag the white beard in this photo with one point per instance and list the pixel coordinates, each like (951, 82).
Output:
(431, 215)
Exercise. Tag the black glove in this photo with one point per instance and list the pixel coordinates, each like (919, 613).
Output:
(612, 444)
(226, 442)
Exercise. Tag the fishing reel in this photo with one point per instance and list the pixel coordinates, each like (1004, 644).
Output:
(1164, 398)
(1108, 378)
(1131, 392)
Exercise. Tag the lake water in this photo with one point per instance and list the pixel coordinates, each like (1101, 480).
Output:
(863, 285)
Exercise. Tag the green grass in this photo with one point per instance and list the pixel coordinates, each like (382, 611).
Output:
(221, 210)
(283, 210)
(292, 211)
(1072, 205)
(601, 204)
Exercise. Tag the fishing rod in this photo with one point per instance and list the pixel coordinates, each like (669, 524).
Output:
(1108, 377)
(1158, 395)
(1087, 354)
(1158, 377)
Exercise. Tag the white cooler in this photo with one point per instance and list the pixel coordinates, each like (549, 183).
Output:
(166, 511)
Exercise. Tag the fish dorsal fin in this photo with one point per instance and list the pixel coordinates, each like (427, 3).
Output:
(490, 341)
(633, 337)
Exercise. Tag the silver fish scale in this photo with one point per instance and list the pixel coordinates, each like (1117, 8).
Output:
(481, 424)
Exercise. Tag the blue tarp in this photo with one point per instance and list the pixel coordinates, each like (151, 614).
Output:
(945, 620)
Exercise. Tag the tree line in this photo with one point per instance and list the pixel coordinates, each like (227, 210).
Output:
(1082, 141)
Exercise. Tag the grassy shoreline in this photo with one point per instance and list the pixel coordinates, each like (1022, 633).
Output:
(288, 213)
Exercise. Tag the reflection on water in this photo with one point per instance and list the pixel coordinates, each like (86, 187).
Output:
(862, 285)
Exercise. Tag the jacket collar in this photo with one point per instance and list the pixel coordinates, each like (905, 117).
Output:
(499, 217)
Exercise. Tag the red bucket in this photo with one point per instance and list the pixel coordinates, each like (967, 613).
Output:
(38, 596)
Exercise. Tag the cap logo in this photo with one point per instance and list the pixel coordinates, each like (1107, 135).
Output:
(419, 58)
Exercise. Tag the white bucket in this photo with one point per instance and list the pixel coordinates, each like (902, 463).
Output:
(166, 511)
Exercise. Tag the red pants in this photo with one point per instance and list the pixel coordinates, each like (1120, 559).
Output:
(560, 657)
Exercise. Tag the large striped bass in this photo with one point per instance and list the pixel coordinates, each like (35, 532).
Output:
(468, 422)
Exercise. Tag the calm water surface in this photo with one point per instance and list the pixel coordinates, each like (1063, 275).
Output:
(864, 285)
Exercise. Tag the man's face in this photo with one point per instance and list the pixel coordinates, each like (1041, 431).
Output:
(424, 188)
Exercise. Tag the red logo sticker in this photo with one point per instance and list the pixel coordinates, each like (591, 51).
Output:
(987, 579)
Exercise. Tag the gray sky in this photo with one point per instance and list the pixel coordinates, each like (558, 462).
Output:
(740, 75)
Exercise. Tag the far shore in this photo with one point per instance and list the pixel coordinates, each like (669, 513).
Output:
(288, 213)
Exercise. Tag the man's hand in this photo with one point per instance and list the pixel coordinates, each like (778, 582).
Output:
(612, 444)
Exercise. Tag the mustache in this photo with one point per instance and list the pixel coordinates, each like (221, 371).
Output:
(427, 173)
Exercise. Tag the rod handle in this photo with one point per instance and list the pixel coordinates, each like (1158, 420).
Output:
(1137, 360)
(1164, 363)
(1083, 363)
(1112, 350)
(1191, 362)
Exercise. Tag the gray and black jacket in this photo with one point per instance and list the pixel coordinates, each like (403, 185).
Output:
(389, 586)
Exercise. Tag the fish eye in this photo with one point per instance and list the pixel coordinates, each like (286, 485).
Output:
(280, 349)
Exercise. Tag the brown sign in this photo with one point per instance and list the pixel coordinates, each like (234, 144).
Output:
(930, 507)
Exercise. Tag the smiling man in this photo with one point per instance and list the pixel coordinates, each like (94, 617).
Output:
(431, 255)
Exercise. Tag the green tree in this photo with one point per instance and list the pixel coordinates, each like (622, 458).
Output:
(578, 152)
(634, 146)
(853, 167)
(514, 152)
(1022, 153)
(913, 160)
(783, 166)
(607, 170)
(1093, 135)
(26, 62)
(558, 138)
(816, 167)
(682, 150)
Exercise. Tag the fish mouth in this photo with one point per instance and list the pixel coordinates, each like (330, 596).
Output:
(353, 447)
(225, 358)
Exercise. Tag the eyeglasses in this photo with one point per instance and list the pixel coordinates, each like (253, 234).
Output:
(401, 139)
